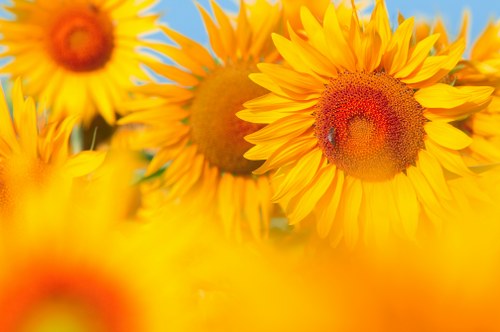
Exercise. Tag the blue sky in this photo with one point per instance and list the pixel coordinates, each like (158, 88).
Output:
(182, 14)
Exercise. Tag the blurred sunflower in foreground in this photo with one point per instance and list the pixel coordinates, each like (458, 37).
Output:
(65, 267)
(79, 56)
(358, 126)
(34, 151)
(193, 121)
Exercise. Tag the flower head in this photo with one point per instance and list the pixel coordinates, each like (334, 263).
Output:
(358, 126)
(193, 121)
(34, 153)
(78, 57)
(67, 267)
(483, 68)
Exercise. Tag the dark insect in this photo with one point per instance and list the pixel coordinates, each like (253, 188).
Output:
(331, 136)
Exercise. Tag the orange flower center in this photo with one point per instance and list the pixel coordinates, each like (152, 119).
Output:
(49, 297)
(215, 128)
(369, 125)
(81, 39)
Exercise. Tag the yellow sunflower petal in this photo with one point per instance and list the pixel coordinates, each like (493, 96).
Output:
(83, 163)
(226, 30)
(447, 135)
(432, 170)
(382, 202)
(290, 126)
(313, 29)
(315, 59)
(6, 128)
(371, 54)
(450, 159)
(27, 129)
(312, 194)
(243, 30)
(299, 176)
(179, 56)
(284, 155)
(487, 44)
(291, 54)
(339, 49)
(487, 149)
(192, 48)
(417, 56)
(445, 96)
(354, 196)
(251, 207)
(381, 20)
(436, 67)
(213, 34)
(180, 165)
(423, 189)
(397, 55)
(329, 205)
(289, 79)
(227, 211)
(174, 73)
(407, 204)
(101, 100)
(185, 183)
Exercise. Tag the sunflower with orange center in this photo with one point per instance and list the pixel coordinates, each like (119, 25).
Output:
(358, 129)
(193, 121)
(78, 57)
(34, 153)
(65, 267)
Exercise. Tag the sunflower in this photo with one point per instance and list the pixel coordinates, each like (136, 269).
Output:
(65, 267)
(483, 68)
(193, 121)
(77, 56)
(33, 153)
(358, 127)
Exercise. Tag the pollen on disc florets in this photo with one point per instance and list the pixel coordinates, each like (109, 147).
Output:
(81, 38)
(215, 128)
(369, 125)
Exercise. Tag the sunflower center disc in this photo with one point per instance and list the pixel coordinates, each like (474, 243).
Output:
(54, 297)
(369, 125)
(215, 127)
(81, 39)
